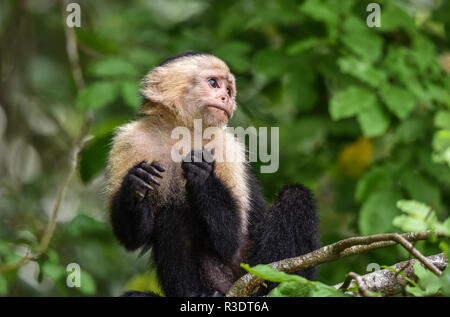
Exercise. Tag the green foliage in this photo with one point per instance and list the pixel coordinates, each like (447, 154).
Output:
(292, 285)
(419, 217)
(428, 283)
(364, 118)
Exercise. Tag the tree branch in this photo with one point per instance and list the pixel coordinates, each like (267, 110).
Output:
(362, 288)
(249, 284)
(388, 282)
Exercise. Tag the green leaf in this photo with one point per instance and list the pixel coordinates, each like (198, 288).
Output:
(94, 157)
(268, 273)
(87, 284)
(322, 290)
(367, 45)
(113, 67)
(97, 95)
(442, 119)
(130, 94)
(393, 17)
(53, 271)
(147, 281)
(421, 189)
(440, 172)
(445, 282)
(272, 63)
(303, 45)
(299, 91)
(443, 228)
(236, 55)
(409, 224)
(439, 94)
(3, 286)
(398, 100)
(424, 54)
(428, 283)
(351, 101)
(142, 57)
(441, 147)
(361, 70)
(414, 208)
(85, 226)
(291, 289)
(320, 11)
(373, 120)
(305, 289)
(419, 217)
(377, 212)
(372, 181)
(410, 130)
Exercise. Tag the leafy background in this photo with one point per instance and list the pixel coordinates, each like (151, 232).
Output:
(364, 117)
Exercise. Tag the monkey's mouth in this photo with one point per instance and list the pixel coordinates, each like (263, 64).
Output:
(225, 110)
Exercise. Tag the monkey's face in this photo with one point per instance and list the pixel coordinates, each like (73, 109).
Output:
(215, 92)
(192, 87)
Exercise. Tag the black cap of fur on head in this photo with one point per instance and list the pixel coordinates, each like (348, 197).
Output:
(180, 55)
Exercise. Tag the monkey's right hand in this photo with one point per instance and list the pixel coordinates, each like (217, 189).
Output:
(197, 166)
(142, 178)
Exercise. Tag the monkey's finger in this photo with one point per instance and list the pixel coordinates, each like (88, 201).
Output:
(158, 166)
(139, 195)
(152, 170)
(147, 177)
(140, 182)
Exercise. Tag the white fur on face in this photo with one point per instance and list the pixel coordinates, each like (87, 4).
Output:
(180, 88)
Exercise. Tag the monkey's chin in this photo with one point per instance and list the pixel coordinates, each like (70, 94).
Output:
(218, 116)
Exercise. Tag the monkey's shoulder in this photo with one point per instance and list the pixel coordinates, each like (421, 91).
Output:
(133, 143)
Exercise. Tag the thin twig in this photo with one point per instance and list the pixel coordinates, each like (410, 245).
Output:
(362, 289)
(72, 52)
(393, 279)
(408, 246)
(72, 49)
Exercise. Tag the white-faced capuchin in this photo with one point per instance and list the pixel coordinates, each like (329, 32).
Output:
(201, 218)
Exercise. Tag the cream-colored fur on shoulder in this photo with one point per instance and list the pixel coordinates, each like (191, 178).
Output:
(149, 140)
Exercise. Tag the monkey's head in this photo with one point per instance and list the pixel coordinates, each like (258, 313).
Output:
(191, 86)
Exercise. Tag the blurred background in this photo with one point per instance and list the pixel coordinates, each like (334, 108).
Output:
(364, 117)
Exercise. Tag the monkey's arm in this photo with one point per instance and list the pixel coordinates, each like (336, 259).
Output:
(212, 202)
(132, 213)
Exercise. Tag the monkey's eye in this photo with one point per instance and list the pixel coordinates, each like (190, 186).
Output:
(213, 83)
(229, 91)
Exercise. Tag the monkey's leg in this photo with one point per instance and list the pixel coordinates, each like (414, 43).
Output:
(289, 229)
(175, 252)
(213, 205)
(131, 210)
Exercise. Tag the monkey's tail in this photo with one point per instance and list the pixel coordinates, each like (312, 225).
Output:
(290, 229)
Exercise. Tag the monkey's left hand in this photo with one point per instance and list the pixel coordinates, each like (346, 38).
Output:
(198, 166)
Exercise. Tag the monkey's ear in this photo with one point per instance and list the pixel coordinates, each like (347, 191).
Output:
(152, 88)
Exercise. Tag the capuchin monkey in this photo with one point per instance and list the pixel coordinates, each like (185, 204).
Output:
(202, 217)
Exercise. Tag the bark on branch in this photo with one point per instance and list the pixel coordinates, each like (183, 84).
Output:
(389, 283)
(249, 284)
